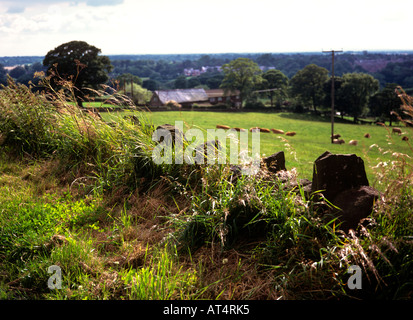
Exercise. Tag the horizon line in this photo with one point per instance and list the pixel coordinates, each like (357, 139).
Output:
(240, 52)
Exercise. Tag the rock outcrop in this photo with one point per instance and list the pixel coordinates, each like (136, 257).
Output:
(342, 180)
(175, 133)
(354, 205)
(275, 162)
(335, 173)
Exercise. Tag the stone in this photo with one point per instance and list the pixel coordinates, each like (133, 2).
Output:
(335, 173)
(235, 174)
(174, 131)
(354, 205)
(275, 162)
(211, 148)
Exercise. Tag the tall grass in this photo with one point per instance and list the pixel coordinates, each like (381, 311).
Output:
(163, 280)
(27, 121)
(48, 125)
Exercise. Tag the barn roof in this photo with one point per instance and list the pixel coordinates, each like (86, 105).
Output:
(182, 95)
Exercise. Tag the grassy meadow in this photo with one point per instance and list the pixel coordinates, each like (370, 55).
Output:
(301, 150)
(83, 195)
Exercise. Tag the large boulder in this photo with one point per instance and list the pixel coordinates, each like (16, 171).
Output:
(162, 132)
(342, 180)
(275, 162)
(354, 205)
(335, 173)
(211, 149)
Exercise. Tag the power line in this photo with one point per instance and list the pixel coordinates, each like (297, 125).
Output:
(266, 90)
(332, 89)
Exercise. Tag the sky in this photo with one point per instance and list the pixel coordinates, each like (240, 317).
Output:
(34, 27)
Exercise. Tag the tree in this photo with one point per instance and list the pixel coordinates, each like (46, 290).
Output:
(355, 91)
(382, 103)
(3, 75)
(139, 95)
(181, 83)
(17, 72)
(80, 62)
(212, 79)
(241, 74)
(150, 84)
(127, 78)
(193, 82)
(274, 79)
(307, 84)
(29, 75)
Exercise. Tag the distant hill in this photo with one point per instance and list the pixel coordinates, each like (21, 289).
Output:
(13, 61)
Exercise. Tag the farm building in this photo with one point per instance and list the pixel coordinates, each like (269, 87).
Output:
(188, 97)
(185, 97)
(216, 96)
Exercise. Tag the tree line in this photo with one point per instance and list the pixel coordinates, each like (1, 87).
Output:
(356, 94)
(298, 80)
(160, 71)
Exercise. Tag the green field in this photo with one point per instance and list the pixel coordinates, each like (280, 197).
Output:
(312, 139)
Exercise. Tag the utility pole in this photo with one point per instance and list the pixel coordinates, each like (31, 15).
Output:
(332, 90)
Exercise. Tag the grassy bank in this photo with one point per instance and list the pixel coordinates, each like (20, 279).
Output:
(87, 198)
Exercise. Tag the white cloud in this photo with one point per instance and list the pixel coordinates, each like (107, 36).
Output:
(179, 26)
(18, 6)
(99, 3)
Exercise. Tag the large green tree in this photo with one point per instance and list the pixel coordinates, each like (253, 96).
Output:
(241, 74)
(181, 83)
(308, 83)
(80, 62)
(355, 92)
(383, 102)
(274, 79)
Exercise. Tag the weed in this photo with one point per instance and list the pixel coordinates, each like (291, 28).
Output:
(162, 281)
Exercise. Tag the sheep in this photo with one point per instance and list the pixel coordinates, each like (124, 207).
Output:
(336, 141)
(405, 138)
(239, 129)
(367, 135)
(220, 126)
(260, 129)
(336, 136)
(353, 142)
(277, 131)
(291, 133)
(397, 130)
